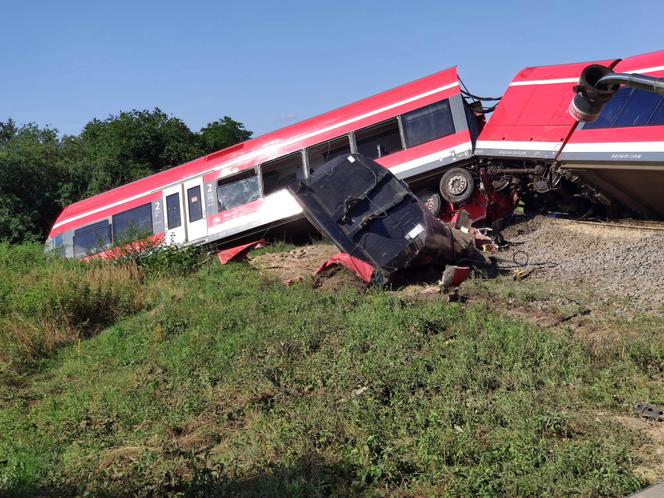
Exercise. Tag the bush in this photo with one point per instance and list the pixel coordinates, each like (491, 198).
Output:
(163, 260)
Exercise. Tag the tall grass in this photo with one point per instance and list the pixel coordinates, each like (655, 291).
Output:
(47, 302)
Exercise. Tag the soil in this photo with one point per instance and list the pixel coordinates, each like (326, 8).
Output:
(651, 464)
(295, 265)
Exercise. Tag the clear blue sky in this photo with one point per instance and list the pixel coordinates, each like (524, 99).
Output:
(268, 64)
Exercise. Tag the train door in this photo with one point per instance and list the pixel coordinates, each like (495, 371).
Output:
(195, 209)
(176, 230)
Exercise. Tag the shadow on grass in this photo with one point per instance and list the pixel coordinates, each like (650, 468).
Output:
(308, 476)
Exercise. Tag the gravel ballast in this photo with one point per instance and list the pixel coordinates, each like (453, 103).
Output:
(621, 263)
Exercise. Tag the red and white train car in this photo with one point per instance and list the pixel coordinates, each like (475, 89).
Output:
(619, 158)
(531, 146)
(621, 154)
(415, 130)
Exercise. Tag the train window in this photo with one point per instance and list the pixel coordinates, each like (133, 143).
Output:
(92, 238)
(173, 217)
(58, 245)
(639, 108)
(428, 123)
(279, 173)
(610, 111)
(657, 118)
(379, 140)
(322, 153)
(195, 204)
(630, 107)
(133, 224)
(237, 190)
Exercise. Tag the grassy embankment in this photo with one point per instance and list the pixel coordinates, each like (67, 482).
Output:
(150, 380)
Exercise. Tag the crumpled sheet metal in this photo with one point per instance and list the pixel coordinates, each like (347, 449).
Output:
(239, 252)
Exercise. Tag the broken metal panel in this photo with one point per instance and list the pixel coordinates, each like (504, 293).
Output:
(363, 271)
(370, 214)
(238, 252)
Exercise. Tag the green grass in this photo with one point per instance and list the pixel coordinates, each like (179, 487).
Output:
(224, 382)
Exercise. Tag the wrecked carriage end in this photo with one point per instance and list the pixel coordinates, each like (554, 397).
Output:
(371, 215)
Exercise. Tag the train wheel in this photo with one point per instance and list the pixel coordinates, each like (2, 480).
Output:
(457, 185)
(431, 200)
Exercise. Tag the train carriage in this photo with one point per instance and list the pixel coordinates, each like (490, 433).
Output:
(621, 154)
(532, 143)
(415, 130)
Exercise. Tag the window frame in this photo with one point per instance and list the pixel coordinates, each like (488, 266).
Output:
(349, 137)
(236, 177)
(303, 168)
(114, 224)
(168, 211)
(89, 228)
(624, 106)
(199, 211)
(371, 127)
(404, 123)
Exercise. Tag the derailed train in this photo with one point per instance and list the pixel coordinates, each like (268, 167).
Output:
(432, 133)
(615, 161)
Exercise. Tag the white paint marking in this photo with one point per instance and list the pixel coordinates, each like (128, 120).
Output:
(519, 145)
(616, 147)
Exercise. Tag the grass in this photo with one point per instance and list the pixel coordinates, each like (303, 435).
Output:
(223, 382)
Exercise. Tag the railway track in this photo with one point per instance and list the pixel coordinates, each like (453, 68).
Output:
(651, 226)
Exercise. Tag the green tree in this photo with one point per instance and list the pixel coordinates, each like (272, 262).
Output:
(30, 178)
(221, 134)
(129, 146)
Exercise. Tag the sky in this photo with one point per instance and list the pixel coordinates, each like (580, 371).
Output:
(270, 64)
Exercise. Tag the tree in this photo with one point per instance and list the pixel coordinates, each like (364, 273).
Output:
(221, 134)
(129, 146)
(30, 177)
(40, 172)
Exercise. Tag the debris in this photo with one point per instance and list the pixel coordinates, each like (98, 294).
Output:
(649, 411)
(378, 220)
(238, 252)
(454, 276)
(363, 271)
(292, 281)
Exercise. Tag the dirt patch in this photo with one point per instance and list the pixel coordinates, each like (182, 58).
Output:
(651, 465)
(300, 263)
(336, 278)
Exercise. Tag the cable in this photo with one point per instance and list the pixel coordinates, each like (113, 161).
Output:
(476, 97)
(466, 93)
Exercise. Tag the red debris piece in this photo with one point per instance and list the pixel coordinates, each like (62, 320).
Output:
(292, 281)
(362, 270)
(454, 276)
(238, 252)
